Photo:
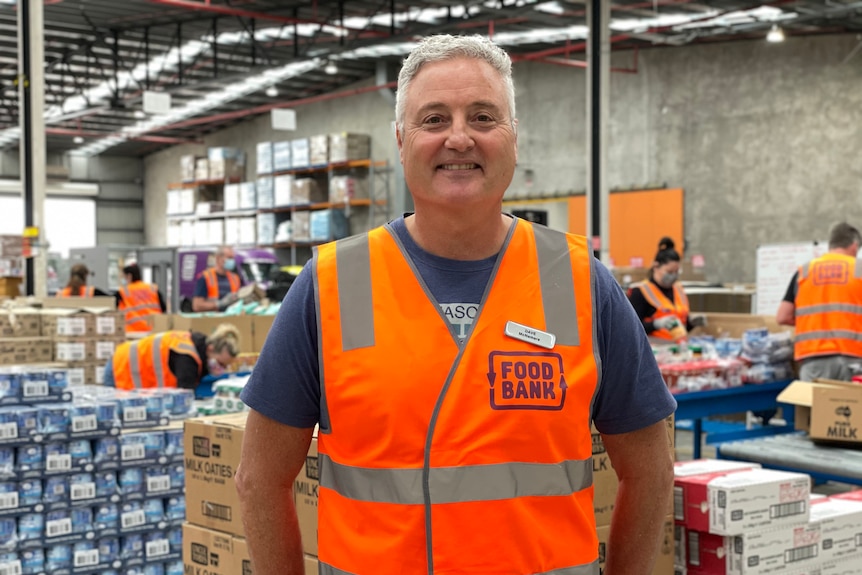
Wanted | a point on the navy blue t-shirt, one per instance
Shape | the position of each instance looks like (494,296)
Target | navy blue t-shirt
(285,383)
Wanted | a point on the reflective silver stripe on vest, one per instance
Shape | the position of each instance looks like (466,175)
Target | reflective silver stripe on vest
(558,289)
(355,304)
(803,271)
(589,569)
(828,307)
(829,334)
(157,360)
(134,364)
(456,484)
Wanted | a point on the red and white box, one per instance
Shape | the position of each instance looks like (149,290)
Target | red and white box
(840,523)
(702,553)
(690,493)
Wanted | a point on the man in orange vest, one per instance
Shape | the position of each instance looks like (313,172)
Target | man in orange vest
(217,286)
(454,359)
(824,302)
(138,299)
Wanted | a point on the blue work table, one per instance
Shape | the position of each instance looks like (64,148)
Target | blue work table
(697,405)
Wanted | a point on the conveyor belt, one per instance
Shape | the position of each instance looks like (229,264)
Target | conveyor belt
(795,451)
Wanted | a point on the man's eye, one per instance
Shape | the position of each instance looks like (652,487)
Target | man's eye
(433,120)
(484,118)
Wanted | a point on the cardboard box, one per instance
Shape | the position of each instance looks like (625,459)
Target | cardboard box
(736,324)
(160,322)
(97,302)
(231,197)
(691,497)
(264,158)
(311,566)
(85,322)
(88,350)
(247,196)
(344,147)
(265,187)
(700,553)
(20,322)
(840,524)
(208,552)
(772,551)
(319,150)
(664,562)
(187,168)
(202,169)
(305,493)
(283,190)
(306,191)
(300,156)
(212,452)
(10,286)
(281,157)
(206,325)
(300,226)
(828,410)
(261,324)
(241,557)
(25,350)
(345,188)
(84,373)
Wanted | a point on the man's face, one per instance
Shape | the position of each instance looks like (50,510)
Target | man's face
(458,144)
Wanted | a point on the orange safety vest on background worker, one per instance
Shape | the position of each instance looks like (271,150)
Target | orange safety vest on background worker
(144,363)
(83,291)
(139,299)
(211,278)
(829,307)
(663,306)
(485,444)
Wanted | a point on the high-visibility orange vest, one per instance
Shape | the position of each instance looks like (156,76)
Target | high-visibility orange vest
(663,306)
(447,458)
(211,277)
(139,300)
(143,363)
(83,291)
(829,307)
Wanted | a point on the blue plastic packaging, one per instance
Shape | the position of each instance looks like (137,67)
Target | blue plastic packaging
(82,519)
(83,417)
(178,476)
(154,569)
(30,457)
(53,418)
(106,484)
(58,557)
(131,514)
(57,457)
(174,442)
(174,567)
(131,481)
(107,449)
(132,546)
(9,495)
(176,507)
(156,545)
(31,526)
(109,549)
(154,443)
(154,510)
(81,451)
(132,409)
(32,561)
(107,516)
(8,532)
(132,447)
(175,538)
(9,424)
(85,554)
(29,492)
(7,461)
(56,489)
(58,523)
(82,486)
(10,384)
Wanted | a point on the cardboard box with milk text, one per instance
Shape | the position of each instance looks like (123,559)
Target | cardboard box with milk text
(305,495)
(829,410)
(208,552)
(212,453)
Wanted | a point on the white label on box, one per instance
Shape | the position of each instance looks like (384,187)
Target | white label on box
(8,430)
(132,518)
(84,422)
(37,388)
(100,375)
(76,376)
(131,452)
(9,500)
(71,326)
(67,351)
(58,462)
(86,558)
(158,548)
(58,527)
(10,568)
(106,325)
(158,483)
(83,491)
(134,414)
(104,349)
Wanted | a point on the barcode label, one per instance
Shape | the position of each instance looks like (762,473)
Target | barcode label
(134,451)
(132,518)
(8,430)
(800,553)
(105,325)
(678,503)
(9,500)
(71,326)
(84,423)
(86,558)
(104,349)
(158,483)
(37,388)
(10,568)
(58,462)
(76,376)
(158,548)
(216,511)
(786,509)
(83,491)
(694,548)
(58,527)
(132,414)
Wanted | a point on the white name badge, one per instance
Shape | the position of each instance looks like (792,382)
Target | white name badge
(530,335)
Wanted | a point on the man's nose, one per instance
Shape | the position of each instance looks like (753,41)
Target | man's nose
(459,136)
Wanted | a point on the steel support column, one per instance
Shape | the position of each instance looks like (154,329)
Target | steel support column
(598,88)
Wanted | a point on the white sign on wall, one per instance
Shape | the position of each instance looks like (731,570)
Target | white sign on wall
(776,265)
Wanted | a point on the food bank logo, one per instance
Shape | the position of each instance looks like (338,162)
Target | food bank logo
(526,380)
(831,273)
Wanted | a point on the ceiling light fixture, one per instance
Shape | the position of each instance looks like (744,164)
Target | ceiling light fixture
(775,34)
(272,92)
(78,139)
(331,68)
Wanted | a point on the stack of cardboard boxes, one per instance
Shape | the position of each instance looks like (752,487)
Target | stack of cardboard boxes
(84,340)
(21,338)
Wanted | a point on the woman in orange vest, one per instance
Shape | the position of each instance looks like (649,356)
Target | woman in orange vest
(138,299)
(660,300)
(172,358)
(77,285)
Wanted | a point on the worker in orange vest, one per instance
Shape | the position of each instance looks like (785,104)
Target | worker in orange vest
(824,302)
(172,358)
(454,359)
(138,299)
(77,285)
(660,301)
(217,287)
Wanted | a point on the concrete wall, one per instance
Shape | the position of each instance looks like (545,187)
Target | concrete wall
(762,137)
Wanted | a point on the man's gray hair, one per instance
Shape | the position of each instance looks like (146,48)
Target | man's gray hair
(445,47)
(843,235)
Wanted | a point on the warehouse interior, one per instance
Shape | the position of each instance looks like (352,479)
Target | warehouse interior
(731,128)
